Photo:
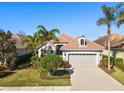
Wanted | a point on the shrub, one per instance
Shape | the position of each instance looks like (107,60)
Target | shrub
(101,63)
(42,72)
(105,59)
(1,67)
(2,74)
(12,63)
(121,66)
(116,62)
(51,63)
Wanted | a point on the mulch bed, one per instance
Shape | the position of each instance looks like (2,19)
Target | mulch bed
(104,68)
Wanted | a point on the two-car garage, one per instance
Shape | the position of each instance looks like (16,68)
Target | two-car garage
(82,59)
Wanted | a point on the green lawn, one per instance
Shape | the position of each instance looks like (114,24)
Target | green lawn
(30,77)
(118,75)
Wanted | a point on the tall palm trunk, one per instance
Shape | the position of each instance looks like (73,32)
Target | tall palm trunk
(109,53)
(109,45)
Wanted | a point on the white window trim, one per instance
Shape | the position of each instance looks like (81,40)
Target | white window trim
(79,40)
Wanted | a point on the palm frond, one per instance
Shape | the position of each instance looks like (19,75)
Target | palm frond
(105,9)
(108,12)
(38,41)
(120,18)
(42,32)
(118,7)
(55,31)
(42,27)
(28,39)
(52,36)
(102,21)
(30,47)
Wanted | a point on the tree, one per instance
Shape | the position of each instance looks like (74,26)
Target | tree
(46,34)
(7,48)
(110,17)
(32,42)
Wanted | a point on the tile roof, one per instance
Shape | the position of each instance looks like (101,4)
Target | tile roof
(74,44)
(115,40)
(19,40)
(63,38)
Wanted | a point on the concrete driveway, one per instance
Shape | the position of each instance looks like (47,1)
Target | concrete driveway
(92,78)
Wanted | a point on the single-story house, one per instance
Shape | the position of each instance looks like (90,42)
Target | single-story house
(117,46)
(82,51)
(77,50)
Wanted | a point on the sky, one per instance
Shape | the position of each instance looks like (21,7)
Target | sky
(74,19)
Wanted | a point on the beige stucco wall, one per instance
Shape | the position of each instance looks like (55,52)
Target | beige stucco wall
(119,54)
(105,52)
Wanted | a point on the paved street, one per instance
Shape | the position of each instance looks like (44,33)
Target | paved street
(42,88)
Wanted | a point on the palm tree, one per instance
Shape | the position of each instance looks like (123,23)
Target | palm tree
(32,42)
(47,35)
(110,17)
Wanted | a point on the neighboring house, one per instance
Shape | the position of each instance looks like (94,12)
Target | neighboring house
(19,44)
(117,47)
(76,50)
(53,47)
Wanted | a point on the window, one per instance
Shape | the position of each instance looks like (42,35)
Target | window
(82,42)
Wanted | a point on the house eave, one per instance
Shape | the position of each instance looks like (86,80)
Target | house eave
(79,50)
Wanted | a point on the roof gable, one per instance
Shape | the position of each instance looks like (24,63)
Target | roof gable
(74,44)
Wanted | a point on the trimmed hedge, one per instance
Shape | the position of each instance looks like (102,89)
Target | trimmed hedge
(116,61)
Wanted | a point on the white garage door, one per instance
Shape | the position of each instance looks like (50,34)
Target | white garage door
(82,59)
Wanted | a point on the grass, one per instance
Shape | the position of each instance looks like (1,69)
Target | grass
(30,77)
(118,75)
